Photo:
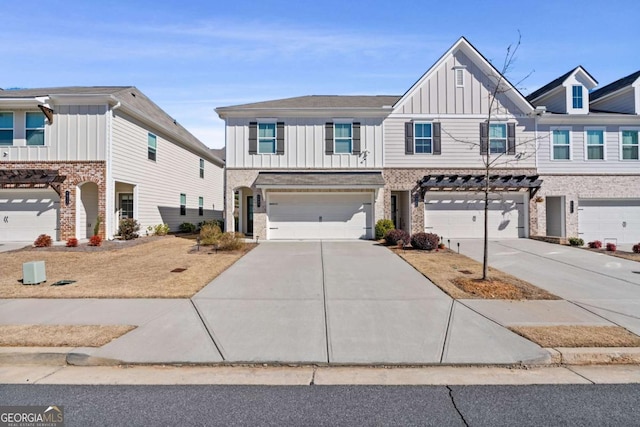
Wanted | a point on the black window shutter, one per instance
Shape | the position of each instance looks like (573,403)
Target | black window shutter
(511,138)
(484,138)
(356,139)
(408,138)
(328,138)
(253,138)
(437,145)
(280,138)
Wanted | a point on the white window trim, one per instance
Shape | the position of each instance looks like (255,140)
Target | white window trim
(13,128)
(459,70)
(342,122)
(43,128)
(586,143)
(506,138)
(415,151)
(156,147)
(631,128)
(266,121)
(551,145)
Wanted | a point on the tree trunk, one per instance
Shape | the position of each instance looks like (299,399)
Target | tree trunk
(485,257)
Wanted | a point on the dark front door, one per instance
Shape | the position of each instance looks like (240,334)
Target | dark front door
(126,205)
(250,215)
(394,211)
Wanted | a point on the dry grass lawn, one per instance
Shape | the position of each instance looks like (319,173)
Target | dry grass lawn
(142,270)
(459,277)
(60,335)
(578,336)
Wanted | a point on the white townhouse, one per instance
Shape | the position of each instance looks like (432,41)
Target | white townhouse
(71,155)
(564,160)
(588,158)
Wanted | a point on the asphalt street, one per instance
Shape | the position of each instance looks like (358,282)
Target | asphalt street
(567,405)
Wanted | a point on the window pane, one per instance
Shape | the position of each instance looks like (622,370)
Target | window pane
(595,153)
(497,131)
(35,137)
(6,137)
(343,145)
(630,137)
(423,130)
(595,137)
(630,152)
(266,130)
(152,141)
(6,120)
(577,96)
(560,137)
(267,146)
(35,120)
(423,145)
(342,130)
(183,199)
(497,146)
(561,152)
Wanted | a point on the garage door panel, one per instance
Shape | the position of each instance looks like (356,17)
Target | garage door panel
(25,214)
(320,216)
(609,220)
(459,215)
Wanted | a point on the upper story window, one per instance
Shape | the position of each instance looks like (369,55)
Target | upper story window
(423,138)
(576,96)
(266,138)
(630,145)
(497,138)
(6,128)
(343,138)
(201,168)
(561,144)
(595,144)
(152,147)
(34,128)
(183,204)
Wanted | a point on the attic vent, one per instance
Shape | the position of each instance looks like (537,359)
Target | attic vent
(133,94)
(459,77)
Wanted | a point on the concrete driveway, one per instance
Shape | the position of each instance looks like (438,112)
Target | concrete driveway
(606,287)
(345,303)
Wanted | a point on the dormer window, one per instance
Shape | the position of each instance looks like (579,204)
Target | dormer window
(576,96)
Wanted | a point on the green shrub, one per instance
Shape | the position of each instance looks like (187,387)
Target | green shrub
(128,228)
(392,237)
(576,241)
(425,241)
(96,228)
(210,234)
(382,227)
(43,241)
(161,229)
(187,227)
(231,241)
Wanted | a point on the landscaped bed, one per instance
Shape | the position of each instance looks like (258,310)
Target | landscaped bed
(60,335)
(460,277)
(140,268)
(578,336)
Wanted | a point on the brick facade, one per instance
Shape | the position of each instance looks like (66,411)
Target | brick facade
(76,172)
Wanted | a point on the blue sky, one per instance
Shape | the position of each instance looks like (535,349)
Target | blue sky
(193,56)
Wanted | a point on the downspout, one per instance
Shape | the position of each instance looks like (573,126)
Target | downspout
(109,205)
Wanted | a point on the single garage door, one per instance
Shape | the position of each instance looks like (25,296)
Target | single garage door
(609,220)
(320,216)
(459,215)
(25,214)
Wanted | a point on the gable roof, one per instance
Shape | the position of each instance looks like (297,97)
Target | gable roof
(132,100)
(319,102)
(475,55)
(557,83)
(615,86)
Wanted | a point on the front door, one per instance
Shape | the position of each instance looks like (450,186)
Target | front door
(126,205)
(250,215)
(394,211)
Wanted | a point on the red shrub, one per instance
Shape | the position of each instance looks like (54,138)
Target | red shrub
(72,242)
(636,248)
(611,247)
(95,241)
(425,241)
(596,244)
(394,236)
(43,241)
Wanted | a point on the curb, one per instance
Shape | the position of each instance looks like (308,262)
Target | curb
(45,356)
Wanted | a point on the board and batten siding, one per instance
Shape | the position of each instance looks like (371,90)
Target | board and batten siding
(159,183)
(304,146)
(579,163)
(459,145)
(439,93)
(78,132)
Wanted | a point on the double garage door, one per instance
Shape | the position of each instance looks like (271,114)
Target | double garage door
(616,221)
(320,216)
(25,214)
(459,215)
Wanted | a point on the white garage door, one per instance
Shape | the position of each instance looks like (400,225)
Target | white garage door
(320,216)
(25,214)
(460,215)
(609,220)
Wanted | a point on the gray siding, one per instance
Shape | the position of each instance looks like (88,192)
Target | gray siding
(556,101)
(621,103)
(304,146)
(77,133)
(160,183)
